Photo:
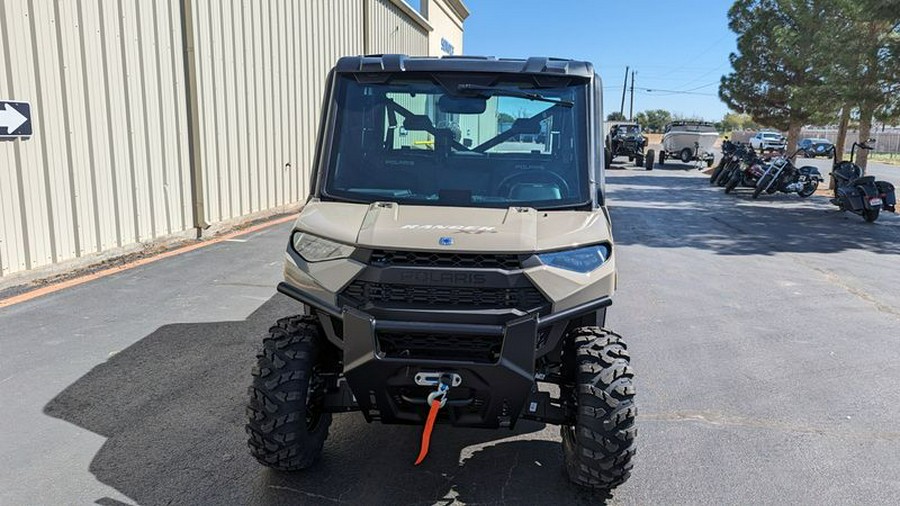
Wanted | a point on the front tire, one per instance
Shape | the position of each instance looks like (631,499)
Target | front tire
(715,173)
(599,447)
(725,175)
(286,424)
(733,181)
(808,189)
(651,155)
(760,185)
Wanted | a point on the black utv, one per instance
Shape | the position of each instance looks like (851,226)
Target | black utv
(626,139)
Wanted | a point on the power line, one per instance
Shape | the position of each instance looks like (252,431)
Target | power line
(678,92)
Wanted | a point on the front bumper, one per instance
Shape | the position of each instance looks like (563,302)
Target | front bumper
(494,389)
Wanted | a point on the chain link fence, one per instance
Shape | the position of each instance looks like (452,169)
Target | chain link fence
(886,141)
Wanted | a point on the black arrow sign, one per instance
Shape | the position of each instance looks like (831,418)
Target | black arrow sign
(15,119)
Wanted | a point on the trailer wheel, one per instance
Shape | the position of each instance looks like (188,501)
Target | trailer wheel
(286,424)
(650,159)
(686,155)
(599,446)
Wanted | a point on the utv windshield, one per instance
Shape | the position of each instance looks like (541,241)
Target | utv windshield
(628,130)
(451,141)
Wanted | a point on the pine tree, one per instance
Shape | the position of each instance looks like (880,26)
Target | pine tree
(778,74)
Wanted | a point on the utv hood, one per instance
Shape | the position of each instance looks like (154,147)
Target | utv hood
(465,229)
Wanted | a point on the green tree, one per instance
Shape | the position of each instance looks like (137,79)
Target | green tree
(616,116)
(505,118)
(653,121)
(869,63)
(778,72)
(737,121)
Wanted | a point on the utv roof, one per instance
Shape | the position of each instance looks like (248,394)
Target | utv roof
(404,63)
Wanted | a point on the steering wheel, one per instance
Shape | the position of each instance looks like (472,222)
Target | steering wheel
(536,176)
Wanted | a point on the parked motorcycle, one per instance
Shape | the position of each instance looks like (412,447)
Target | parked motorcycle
(783,176)
(728,149)
(731,162)
(860,194)
(751,168)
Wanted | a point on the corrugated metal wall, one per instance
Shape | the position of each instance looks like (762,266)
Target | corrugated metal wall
(261,70)
(107,165)
(390,30)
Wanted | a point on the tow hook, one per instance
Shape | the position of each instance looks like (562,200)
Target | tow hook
(437,400)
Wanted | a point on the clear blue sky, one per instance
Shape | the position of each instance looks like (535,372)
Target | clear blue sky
(672,44)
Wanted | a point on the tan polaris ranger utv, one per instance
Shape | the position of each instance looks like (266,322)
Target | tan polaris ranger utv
(454,263)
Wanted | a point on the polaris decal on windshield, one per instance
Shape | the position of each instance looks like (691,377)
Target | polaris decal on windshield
(460,229)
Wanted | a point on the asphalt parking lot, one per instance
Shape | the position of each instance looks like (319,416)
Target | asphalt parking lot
(764,335)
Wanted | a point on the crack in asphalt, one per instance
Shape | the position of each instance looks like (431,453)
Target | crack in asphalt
(509,475)
(830,276)
(719,419)
(838,281)
(308,494)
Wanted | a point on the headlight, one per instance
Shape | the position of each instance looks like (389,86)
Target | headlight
(316,249)
(578,260)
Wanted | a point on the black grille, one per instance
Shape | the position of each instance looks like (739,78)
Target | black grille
(442,347)
(385,258)
(525,299)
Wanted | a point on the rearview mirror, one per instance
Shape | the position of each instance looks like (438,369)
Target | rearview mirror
(462,105)
(418,122)
(526,126)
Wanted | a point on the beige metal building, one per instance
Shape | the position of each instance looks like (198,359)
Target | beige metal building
(160,118)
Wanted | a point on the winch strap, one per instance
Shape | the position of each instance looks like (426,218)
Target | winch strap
(426,432)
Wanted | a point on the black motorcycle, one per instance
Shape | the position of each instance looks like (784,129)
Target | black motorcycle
(783,176)
(728,150)
(860,194)
(748,172)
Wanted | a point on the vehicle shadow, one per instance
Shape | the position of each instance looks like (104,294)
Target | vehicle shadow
(705,217)
(171,408)
(674,165)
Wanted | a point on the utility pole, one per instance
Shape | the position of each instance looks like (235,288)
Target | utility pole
(624,87)
(631,108)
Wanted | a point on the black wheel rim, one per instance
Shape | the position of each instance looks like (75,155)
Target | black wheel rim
(315,397)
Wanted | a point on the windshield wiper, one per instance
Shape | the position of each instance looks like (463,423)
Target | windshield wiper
(507,92)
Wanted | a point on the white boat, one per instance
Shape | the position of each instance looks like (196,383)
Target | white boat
(688,141)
